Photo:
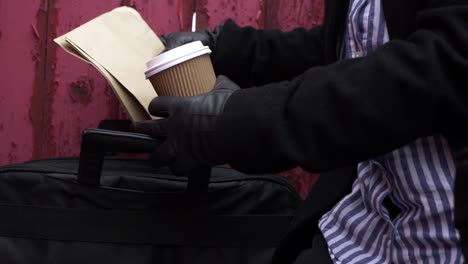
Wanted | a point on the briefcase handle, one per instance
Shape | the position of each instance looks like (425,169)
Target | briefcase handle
(95,143)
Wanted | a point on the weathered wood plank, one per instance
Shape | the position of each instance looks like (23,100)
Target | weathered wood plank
(20,44)
(79,96)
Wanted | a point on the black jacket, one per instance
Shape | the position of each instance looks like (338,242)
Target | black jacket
(329,114)
(306,108)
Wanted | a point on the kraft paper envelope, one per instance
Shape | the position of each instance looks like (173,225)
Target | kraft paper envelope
(118,44)
(130,103)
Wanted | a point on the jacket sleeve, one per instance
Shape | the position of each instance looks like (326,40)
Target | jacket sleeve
(256,57)
(352,110)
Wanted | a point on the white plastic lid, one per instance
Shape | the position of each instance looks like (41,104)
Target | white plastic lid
(175,56)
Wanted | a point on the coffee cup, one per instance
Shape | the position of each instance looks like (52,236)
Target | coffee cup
(183,71)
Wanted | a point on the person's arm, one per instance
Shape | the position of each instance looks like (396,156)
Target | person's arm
(256,57)
(353,110)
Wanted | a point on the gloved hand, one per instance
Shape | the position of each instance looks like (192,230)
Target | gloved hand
(176,39)
(188,127)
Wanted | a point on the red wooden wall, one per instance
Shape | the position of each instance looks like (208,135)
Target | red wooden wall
(47,97)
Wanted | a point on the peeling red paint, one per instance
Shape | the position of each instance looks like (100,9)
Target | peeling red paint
(35,55)
(36,32)
(12,154)
(130,3)
(112,103)
(202,15)
(270,11)
(41,110)
(185,13)
(260,20)
(50,85)
(245,13)
(17,76)
(162,16)
(36,112)
(81,90)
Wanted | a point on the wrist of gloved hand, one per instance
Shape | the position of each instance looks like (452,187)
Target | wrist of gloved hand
(188,128)
(208,38)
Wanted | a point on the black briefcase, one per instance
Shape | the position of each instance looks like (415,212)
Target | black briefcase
(95,209)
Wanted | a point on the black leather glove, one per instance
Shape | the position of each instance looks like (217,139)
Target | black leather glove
(176,39)
(188,127)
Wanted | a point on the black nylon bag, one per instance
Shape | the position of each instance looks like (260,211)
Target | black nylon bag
(54,211)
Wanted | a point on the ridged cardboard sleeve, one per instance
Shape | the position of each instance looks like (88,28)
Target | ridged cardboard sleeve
(192,77)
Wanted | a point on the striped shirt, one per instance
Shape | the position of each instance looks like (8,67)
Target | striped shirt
(417,178)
